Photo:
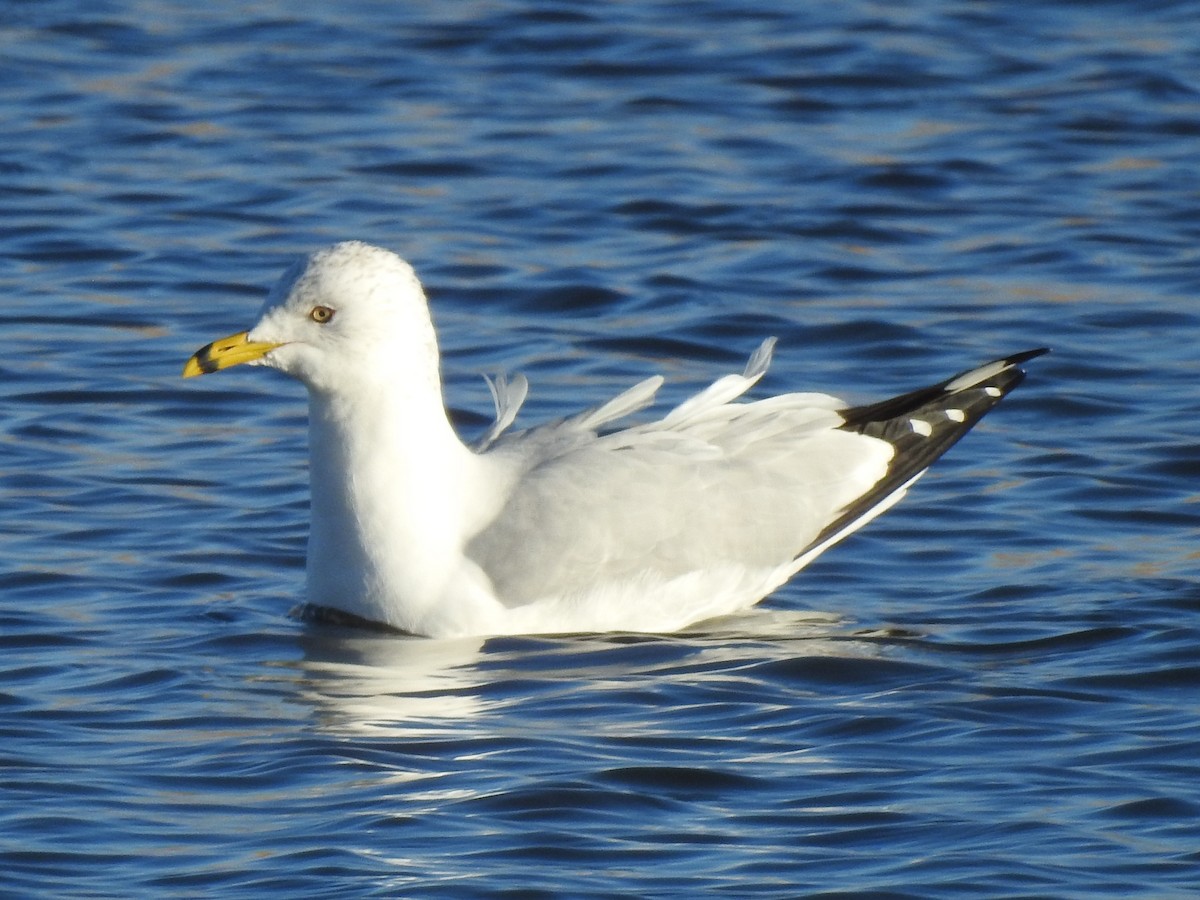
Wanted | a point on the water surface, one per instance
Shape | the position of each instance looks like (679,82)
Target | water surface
(991,691)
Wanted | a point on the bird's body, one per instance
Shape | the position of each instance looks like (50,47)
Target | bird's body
(570,526)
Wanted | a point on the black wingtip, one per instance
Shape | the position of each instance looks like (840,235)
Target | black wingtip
(923,424)
(1017,358)
(858,417)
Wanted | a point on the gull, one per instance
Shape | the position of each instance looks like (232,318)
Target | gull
(575,525)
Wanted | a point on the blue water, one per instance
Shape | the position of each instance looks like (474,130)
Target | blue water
(993,691)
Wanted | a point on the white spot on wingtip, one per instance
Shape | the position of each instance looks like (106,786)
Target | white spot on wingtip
(992,391)
(924,429)
(956,415)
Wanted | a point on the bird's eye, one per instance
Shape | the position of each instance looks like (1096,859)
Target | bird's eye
(321,314)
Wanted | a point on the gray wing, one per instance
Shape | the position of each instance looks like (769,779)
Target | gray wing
(712,484)
(715,483)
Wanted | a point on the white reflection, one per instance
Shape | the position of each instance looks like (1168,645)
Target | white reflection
(365,683)
(386,684)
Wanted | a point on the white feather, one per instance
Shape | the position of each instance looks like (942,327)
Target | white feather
(507,397)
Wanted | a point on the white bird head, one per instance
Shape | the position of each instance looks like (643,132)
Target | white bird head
(342,313)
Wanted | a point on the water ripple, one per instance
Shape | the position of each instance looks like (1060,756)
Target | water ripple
(988,692)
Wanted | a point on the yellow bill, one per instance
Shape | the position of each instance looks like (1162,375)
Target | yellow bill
(231,351)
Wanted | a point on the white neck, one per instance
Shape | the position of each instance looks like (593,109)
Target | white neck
(389,478)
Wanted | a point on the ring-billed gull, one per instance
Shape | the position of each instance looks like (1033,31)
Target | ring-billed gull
(570,526)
